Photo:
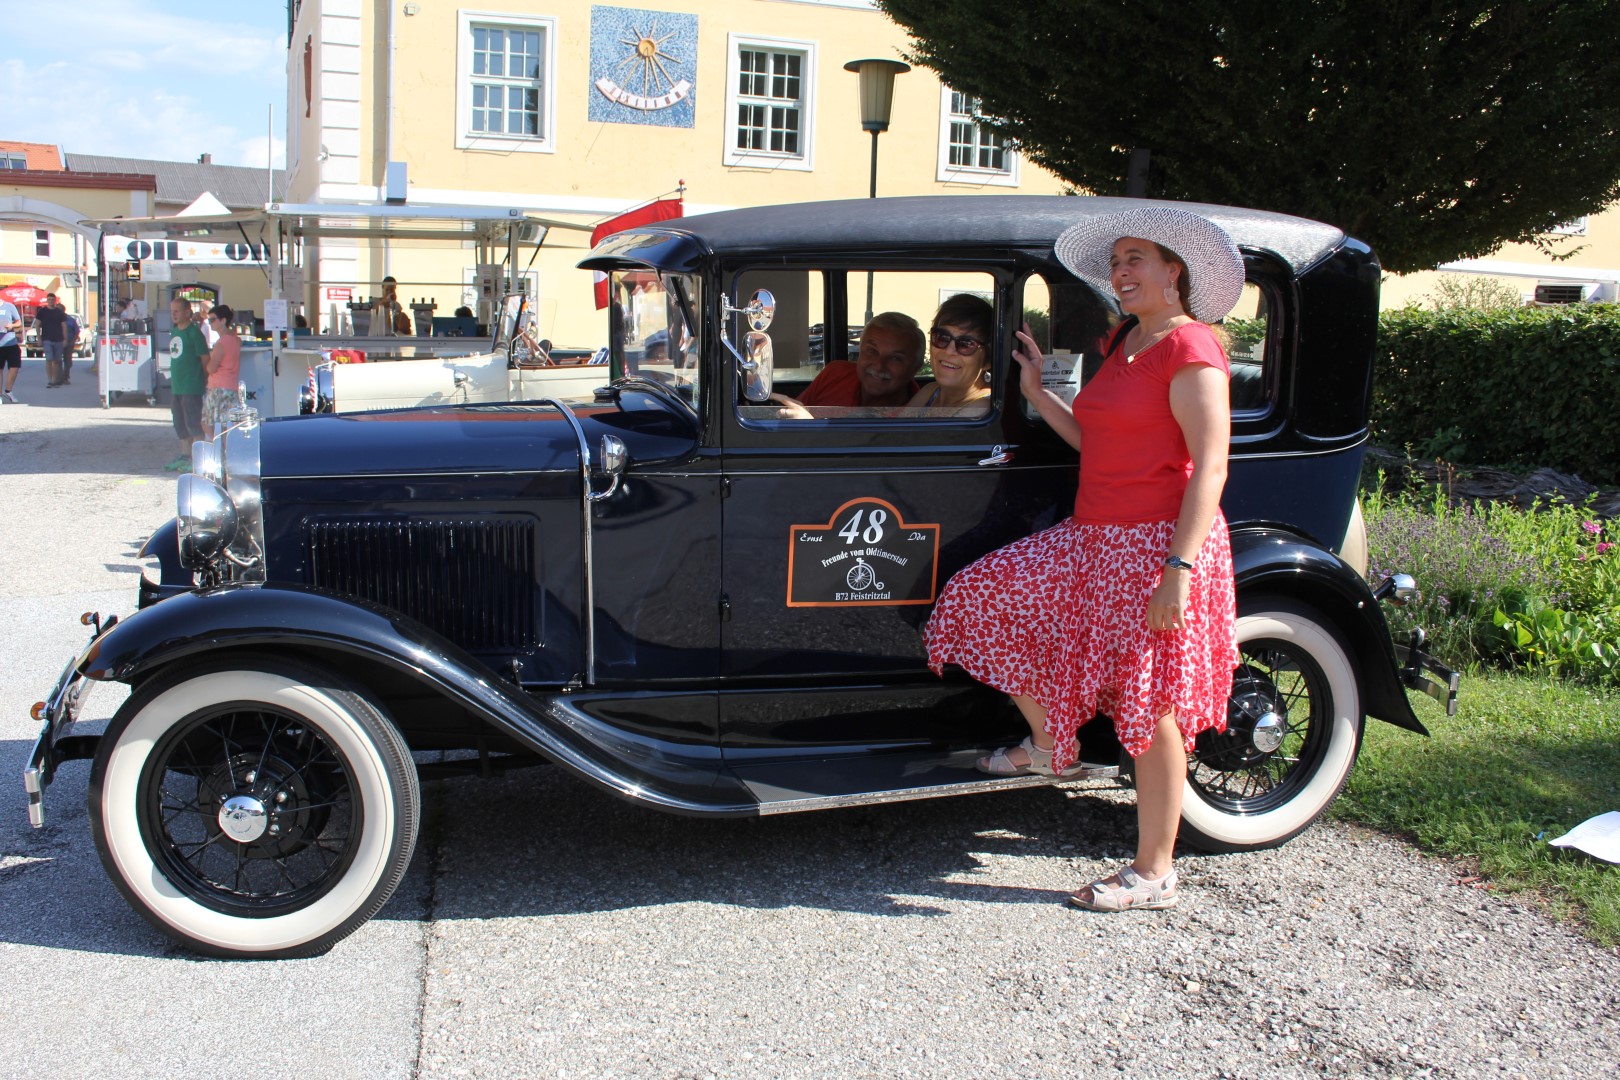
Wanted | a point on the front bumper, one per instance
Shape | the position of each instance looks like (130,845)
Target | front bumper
(58,714)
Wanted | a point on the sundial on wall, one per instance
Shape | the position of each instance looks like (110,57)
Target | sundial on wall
(643,66)
(649,77)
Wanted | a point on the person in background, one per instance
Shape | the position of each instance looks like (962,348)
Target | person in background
(300,326)
(384,309)
(224,366)
(50,318)
(70,343)
(188,353)
(11,328)
(963,328)
(882,375)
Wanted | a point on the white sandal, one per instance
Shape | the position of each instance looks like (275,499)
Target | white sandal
(996,763)
(1126,890)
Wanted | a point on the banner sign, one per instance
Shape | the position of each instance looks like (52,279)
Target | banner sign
(863,556)
(190,252)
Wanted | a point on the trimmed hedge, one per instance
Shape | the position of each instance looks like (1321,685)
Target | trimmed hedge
(1518,387)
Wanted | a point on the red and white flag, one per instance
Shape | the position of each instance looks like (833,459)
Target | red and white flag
(657,210)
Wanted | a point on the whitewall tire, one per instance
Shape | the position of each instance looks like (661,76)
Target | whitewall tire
(1294,730)
(254,807)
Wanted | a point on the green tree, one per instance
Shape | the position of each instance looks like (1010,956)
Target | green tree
(1434,131)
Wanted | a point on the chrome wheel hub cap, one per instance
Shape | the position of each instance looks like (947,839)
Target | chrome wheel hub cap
(1268,732)
(242,818)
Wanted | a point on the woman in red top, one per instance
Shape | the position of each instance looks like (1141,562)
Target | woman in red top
(1126,608)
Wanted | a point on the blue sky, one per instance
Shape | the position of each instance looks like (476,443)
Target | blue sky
(147,78)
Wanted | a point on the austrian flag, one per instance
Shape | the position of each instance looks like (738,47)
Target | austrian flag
(657,210)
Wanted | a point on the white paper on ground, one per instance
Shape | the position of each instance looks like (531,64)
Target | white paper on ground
(1599,836)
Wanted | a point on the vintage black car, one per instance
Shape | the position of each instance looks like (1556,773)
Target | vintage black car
(679,596)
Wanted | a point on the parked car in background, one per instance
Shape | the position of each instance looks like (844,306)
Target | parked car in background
(675,594)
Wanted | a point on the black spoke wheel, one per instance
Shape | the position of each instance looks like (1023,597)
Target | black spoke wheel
(254,807)
(1294,727)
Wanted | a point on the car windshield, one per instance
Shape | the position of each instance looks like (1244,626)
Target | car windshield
(653,335)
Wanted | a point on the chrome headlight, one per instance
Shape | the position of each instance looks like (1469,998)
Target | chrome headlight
(205,461)
(219,515)
(208,521)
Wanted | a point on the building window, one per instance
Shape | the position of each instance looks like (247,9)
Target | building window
(969,152)
(1574,227)
(770,99)
(42,243)
(13,160)
(504,99)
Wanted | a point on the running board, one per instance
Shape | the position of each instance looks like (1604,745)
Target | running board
(824,783)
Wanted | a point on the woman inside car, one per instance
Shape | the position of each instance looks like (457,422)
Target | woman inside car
(1127,607)
(959,352)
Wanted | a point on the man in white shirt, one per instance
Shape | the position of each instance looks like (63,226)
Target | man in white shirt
(11,328)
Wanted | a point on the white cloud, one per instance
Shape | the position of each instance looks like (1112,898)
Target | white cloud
(149,83)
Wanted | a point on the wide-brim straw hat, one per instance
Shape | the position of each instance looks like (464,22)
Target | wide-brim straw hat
(1214,267)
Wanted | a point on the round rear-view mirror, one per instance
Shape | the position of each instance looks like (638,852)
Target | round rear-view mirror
(761,310)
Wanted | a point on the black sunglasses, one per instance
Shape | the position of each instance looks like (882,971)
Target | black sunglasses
(965,346)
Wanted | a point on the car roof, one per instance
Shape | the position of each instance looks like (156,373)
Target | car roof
(934,222)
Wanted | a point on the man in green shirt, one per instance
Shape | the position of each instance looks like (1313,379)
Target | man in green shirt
(188,352)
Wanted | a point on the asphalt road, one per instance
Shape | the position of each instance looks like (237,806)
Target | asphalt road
(548,930)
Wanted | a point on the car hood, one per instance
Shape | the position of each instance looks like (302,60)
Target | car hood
(472,438)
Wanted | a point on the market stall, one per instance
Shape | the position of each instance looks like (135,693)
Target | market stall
(344,322)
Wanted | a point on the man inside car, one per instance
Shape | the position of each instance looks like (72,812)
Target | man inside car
(882,375)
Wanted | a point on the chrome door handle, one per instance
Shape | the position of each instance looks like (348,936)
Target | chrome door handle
(999,455)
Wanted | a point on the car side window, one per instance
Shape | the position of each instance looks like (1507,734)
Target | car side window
(1247,330)
(1072,324)
(852,347)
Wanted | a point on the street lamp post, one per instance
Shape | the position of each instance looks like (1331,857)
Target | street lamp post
(877,100)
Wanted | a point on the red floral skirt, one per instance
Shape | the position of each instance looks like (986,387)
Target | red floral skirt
(1061,617)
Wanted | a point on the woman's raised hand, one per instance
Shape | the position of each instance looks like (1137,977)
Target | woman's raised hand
(1028,355)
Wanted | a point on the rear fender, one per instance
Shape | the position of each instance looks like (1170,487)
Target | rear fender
(1271,560)
(679,777)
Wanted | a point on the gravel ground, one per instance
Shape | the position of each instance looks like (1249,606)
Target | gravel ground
(548,930)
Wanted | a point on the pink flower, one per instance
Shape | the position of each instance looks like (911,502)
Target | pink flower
(1592,527)
(1601,548)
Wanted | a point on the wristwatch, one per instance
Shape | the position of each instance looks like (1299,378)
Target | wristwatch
(1176,562)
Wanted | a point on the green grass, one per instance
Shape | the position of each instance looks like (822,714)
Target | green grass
(1525,759)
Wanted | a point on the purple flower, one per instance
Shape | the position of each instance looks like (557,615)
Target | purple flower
(1592,527)
(1601,548)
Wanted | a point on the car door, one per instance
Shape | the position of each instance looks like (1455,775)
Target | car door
(838,533)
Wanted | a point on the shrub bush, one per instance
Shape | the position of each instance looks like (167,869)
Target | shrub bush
(1519,387)
(1537,589)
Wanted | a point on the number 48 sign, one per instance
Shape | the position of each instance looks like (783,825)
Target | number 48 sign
(865,555)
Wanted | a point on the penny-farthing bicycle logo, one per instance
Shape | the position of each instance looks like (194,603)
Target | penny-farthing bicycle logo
(862,577)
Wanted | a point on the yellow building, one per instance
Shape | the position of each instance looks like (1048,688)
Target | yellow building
(1590,272)
(580,111)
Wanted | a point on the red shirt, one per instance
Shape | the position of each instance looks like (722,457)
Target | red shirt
(1134,462)
(840,384)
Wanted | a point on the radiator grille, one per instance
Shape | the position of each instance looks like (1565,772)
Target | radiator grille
(472,580)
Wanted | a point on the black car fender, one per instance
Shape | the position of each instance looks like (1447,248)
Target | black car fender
(683,778)
(1267,559)
(173,577)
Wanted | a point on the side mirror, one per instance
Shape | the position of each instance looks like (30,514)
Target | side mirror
(758,366)
(755,359)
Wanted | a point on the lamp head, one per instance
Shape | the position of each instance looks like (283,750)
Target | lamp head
(877,90)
